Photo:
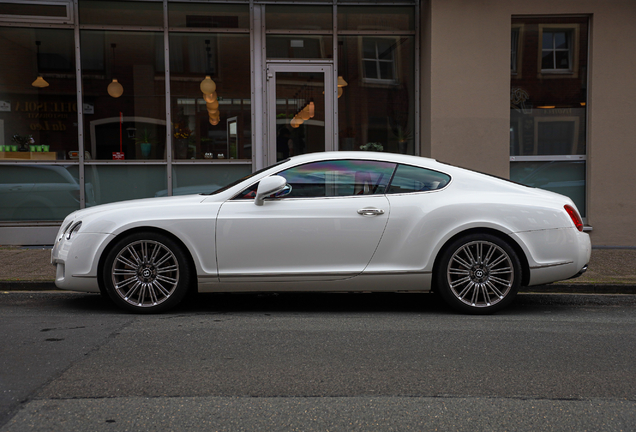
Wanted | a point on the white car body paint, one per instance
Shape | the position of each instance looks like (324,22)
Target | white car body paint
(324,244)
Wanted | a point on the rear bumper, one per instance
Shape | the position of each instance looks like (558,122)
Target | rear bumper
(557,254)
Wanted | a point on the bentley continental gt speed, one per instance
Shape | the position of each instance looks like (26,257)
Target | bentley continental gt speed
(336,221)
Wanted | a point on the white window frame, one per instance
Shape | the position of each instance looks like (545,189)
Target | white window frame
(572,31)
(69,18)
(377,61)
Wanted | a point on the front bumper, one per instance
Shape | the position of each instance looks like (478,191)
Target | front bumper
(76,261)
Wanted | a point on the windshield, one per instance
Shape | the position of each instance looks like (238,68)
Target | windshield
(226,187)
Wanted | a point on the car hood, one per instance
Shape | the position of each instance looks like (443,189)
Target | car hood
(145,206)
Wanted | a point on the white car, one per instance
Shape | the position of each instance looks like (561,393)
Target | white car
(337,221)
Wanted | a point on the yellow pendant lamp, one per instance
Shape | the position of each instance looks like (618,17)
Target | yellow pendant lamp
(114,89)
(209,98)
(39,81)
(341,83)
(207,85)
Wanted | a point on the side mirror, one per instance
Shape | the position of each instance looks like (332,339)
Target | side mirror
(268,186)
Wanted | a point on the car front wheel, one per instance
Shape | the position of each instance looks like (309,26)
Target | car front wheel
(146,273)
(479,274)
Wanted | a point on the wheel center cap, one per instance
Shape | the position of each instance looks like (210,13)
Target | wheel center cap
(146,273)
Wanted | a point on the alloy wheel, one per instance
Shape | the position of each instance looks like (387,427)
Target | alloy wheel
(145,273)
(480,274)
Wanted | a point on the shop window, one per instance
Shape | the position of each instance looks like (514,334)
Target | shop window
(110,12)
(112,183)
(38,102)
(124,95)
(39,192)
(299,46)
(211,16)
(221,127)
(548,108)
(376,107)
(297,17)
(383,18)
(51,11)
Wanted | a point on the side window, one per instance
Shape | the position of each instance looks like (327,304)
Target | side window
(414,179)
(249,193)
(338,178)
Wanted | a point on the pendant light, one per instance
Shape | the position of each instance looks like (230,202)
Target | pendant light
(39,81)
(207,85)
(208,88)
(210,98)
(341,83)
(115,89)
(304,113)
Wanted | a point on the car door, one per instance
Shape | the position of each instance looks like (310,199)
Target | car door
(327,228)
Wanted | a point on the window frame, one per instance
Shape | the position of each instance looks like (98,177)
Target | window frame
(516,51)
(575,120)
(573,32)
(395,60)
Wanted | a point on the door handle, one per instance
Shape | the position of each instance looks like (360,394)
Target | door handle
(370,212)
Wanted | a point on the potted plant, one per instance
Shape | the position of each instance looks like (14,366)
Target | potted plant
(372,146)
(23,142)
(145,141)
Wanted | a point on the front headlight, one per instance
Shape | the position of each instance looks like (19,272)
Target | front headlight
(69,231)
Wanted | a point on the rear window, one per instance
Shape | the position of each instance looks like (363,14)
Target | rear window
(409,179)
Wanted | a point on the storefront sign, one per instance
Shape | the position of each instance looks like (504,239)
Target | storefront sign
(88,108)
(5,106)
(46,126)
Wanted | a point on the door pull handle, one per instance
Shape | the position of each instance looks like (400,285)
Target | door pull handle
(370,212)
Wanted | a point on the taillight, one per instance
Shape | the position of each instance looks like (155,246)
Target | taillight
(574,215)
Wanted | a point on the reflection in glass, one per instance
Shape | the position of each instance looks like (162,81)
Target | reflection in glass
(195,179)
(376,109)
(112,183)
(397,18)
(290,17)
(563,177)
(208,15)
(133,125)
(299,46)
(196,134)
(300,113)
(548,106)
(40,192)
(133,13)
(37,123)
(338,178)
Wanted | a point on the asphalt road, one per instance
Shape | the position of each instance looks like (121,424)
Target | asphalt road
(336,362)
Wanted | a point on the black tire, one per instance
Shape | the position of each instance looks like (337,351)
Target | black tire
(146,272)
(478,274)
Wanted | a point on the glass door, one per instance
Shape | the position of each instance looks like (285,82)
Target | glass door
(300,111)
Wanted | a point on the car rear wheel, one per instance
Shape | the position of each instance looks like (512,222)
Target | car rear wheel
(479,274)
(146,273)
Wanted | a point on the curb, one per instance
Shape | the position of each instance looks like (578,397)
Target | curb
(539,289)
(28,286)
(579,289)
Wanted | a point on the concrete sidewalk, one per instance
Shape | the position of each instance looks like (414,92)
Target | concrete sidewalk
(611,271)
